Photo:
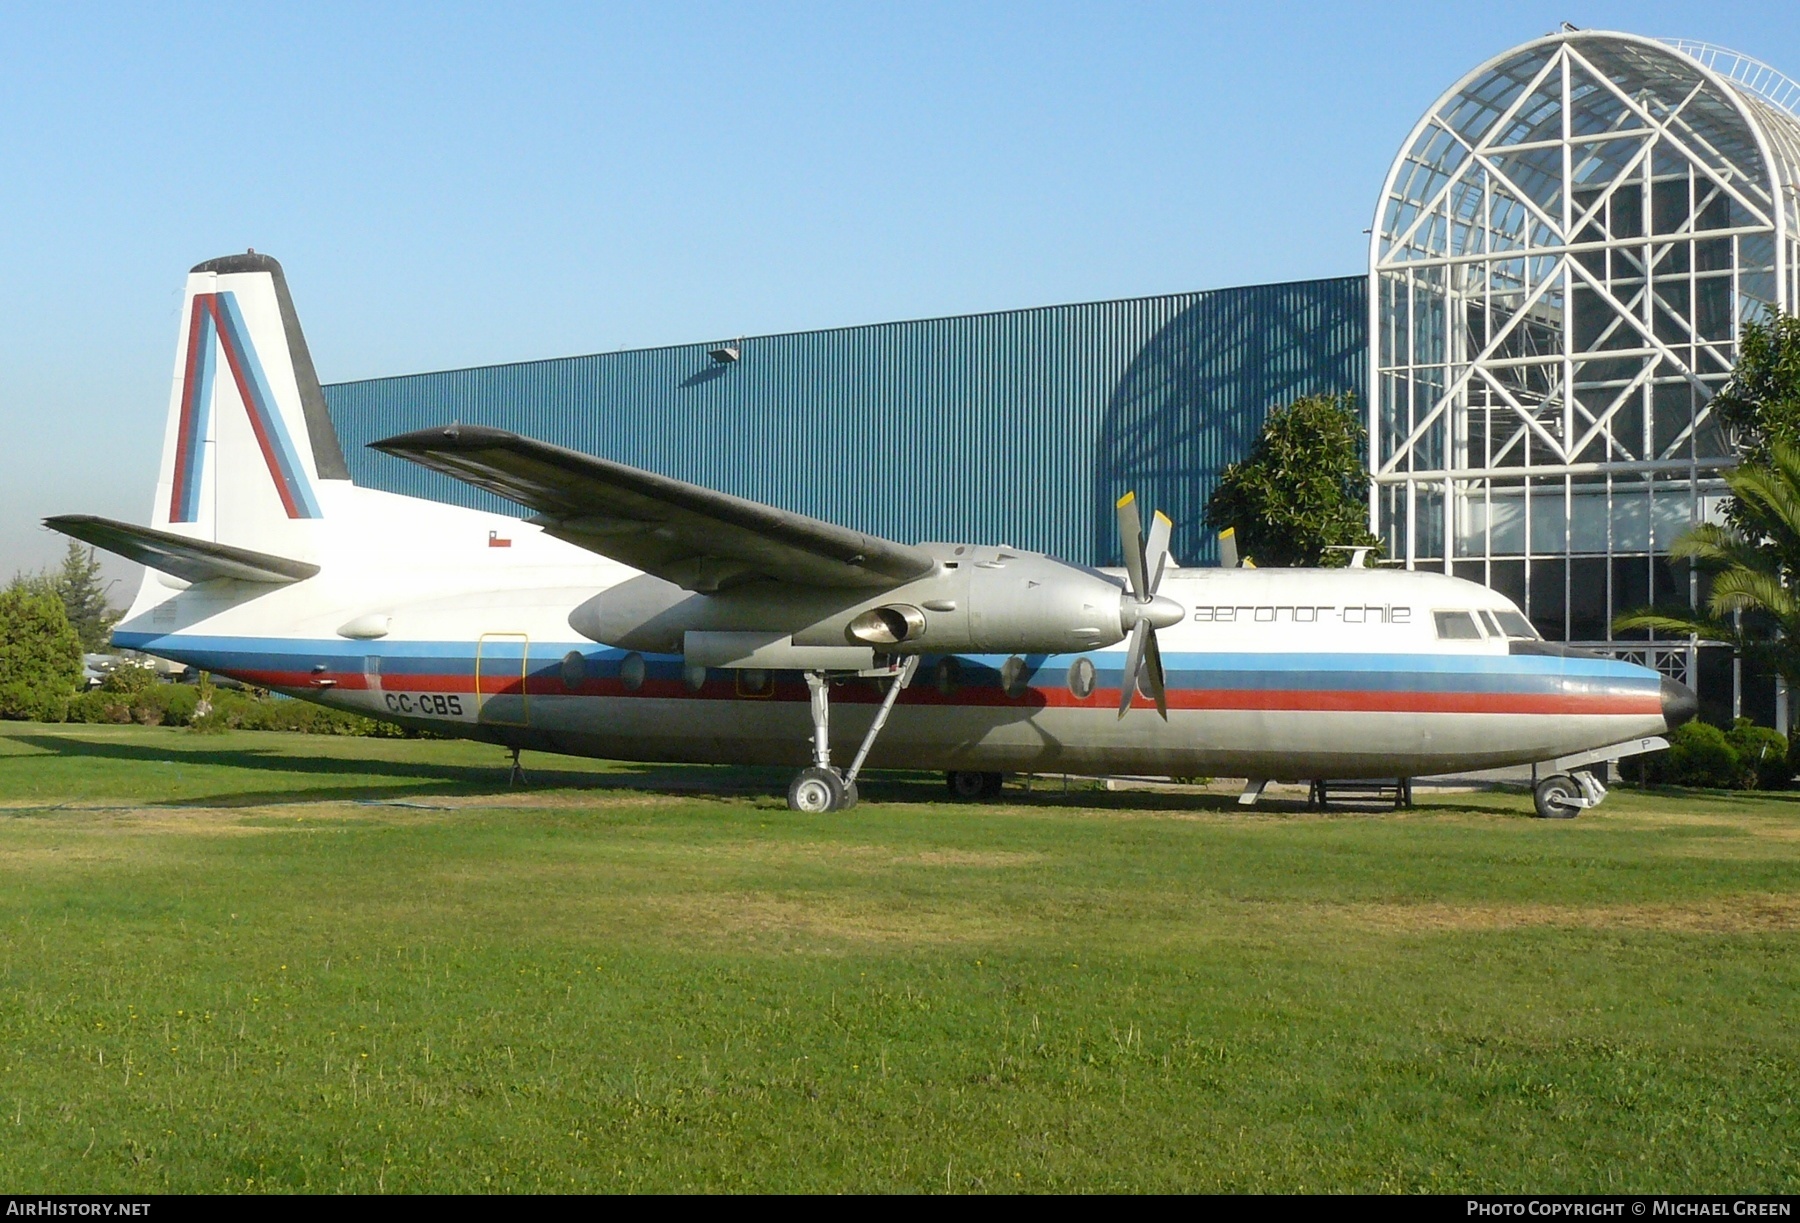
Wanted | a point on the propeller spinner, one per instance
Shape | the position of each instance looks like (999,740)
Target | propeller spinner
(1141,610)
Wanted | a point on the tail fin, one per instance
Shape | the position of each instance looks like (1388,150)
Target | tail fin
(248,440)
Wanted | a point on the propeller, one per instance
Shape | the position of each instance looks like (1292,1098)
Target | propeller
(1141,610)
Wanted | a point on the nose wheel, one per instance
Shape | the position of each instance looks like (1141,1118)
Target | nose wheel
(1563,796)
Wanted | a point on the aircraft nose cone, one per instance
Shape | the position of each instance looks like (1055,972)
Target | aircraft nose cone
(1679,703)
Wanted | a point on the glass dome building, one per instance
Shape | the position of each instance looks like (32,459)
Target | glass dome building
(1563,259)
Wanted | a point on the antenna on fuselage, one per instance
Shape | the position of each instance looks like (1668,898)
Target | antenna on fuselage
(1359,553)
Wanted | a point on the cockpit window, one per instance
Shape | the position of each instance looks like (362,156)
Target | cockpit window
(1516,625)
(1456,626)
(1492,625)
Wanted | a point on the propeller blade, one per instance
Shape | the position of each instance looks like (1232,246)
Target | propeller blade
(1134,659)
(1156,552)
(1153,674)
(1131,538)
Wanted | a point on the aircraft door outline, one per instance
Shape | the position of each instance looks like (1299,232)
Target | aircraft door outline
(500,696)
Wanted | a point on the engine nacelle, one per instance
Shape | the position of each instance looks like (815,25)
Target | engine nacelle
(979,601)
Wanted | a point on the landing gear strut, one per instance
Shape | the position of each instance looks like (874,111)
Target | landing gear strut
(822,788)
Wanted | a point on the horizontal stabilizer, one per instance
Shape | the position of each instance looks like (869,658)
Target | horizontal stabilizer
(192,560)
(695,537)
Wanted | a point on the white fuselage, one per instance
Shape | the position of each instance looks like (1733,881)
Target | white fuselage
(458,621)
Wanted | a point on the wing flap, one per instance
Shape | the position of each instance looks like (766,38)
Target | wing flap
(192,560)
(696,537)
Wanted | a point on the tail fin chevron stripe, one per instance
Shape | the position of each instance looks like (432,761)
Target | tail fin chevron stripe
(217,317)
(196,405)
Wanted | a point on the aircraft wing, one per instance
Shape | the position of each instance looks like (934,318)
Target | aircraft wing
(192,560)
(692,536)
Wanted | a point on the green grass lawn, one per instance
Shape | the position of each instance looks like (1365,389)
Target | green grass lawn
(258,961)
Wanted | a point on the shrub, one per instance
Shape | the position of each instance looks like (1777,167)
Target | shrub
(1698,755)
(240,711)
(212,722)
(179,704)
(155,705)
(88,706)
(173,703)
(130,677)
(1762,755)
(23,703)
(230,709)
(40,656)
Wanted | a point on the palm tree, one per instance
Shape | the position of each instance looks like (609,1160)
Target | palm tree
(1754,605)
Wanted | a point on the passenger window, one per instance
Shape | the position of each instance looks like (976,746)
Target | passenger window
(1456,626)
(1516,625)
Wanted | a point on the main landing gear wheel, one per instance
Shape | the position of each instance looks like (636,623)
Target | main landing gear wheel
(816,791)
(1558,797)
(968,786)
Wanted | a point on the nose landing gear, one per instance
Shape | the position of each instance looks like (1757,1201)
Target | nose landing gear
(1565,787)
(1563,796)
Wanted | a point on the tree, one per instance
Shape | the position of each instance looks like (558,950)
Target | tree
(83,596)
(40,655)
(1755,555)
(1761,403)
(1755,560)
(1302,490)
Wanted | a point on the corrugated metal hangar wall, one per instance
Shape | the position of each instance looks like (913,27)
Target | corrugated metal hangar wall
(1019,428)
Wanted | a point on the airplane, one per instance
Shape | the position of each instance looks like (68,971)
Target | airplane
(638,617)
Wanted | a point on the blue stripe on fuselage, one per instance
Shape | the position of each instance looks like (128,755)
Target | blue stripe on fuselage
(1473,673)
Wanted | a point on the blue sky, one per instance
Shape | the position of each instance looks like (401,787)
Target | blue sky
(454,186)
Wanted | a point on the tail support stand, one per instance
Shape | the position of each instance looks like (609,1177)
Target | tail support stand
(517,776)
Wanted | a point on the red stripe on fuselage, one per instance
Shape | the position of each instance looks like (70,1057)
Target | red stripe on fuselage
(1218,699)
(1417,702)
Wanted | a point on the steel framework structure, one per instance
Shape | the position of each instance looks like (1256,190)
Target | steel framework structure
(1562,262)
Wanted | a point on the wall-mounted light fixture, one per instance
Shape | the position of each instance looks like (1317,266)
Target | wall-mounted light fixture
(723,356)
